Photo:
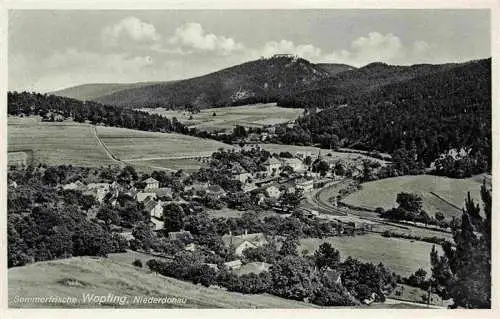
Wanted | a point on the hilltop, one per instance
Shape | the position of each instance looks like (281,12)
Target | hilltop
(261,80)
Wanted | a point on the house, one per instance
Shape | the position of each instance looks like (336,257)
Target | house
(163,192)
(156,224)
(273,191)
(98,190)
(253,268)
(303,154)
(153,207)
(151,183)
(74,186)
(305,185)
(288,187)
(216,191)
(270,129)
(182,235)
(141,196)
(239,173)
(213,266)
(233,265)
(197,187)
(242,242)
(260,174)
(294,163)
(132,192)
(272,165)
(191,247)
(334,275)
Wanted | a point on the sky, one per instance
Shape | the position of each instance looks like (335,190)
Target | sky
(55,49)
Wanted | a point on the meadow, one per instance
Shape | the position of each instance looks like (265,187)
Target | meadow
(115,275)
(65,143)
(401,256)
(451,193)
(131,145)
(55,143)
(227,117)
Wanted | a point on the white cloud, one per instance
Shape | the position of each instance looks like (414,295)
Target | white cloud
(192,37)
(130,29)
(377,47)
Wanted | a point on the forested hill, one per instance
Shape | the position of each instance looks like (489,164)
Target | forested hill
(256,81)
(344,87)
(89,92)
(415,120)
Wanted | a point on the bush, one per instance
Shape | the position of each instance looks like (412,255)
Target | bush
(137,263)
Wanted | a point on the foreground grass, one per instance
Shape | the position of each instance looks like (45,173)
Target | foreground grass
(115,275)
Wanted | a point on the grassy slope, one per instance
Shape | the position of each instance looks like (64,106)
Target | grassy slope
(116,276)
(399,255)
(383,193)
(129,144)
(55,143)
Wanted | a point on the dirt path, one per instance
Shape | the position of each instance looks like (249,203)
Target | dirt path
(106,150)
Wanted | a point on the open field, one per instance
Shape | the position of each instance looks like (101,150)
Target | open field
(58,143)
(55,143)
(116,276)
(451,193)
(402,256)
(228,117)
(131,145)
(187,165)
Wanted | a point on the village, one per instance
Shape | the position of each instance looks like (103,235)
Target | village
(276,187)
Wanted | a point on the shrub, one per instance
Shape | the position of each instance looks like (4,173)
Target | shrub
(137,263)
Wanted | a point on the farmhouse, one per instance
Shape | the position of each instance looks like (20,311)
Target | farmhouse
(196,187)
(141,196)
(253,268)
(334,275)
(272,165)
(215,191)
(242,242)
(153,207)
(239,173)
(233,265)
(273,191)
(74,186)
(180,235)
(191,247)
(305,185)
(294,163)
(98,190)
(164,192)
(151,183)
